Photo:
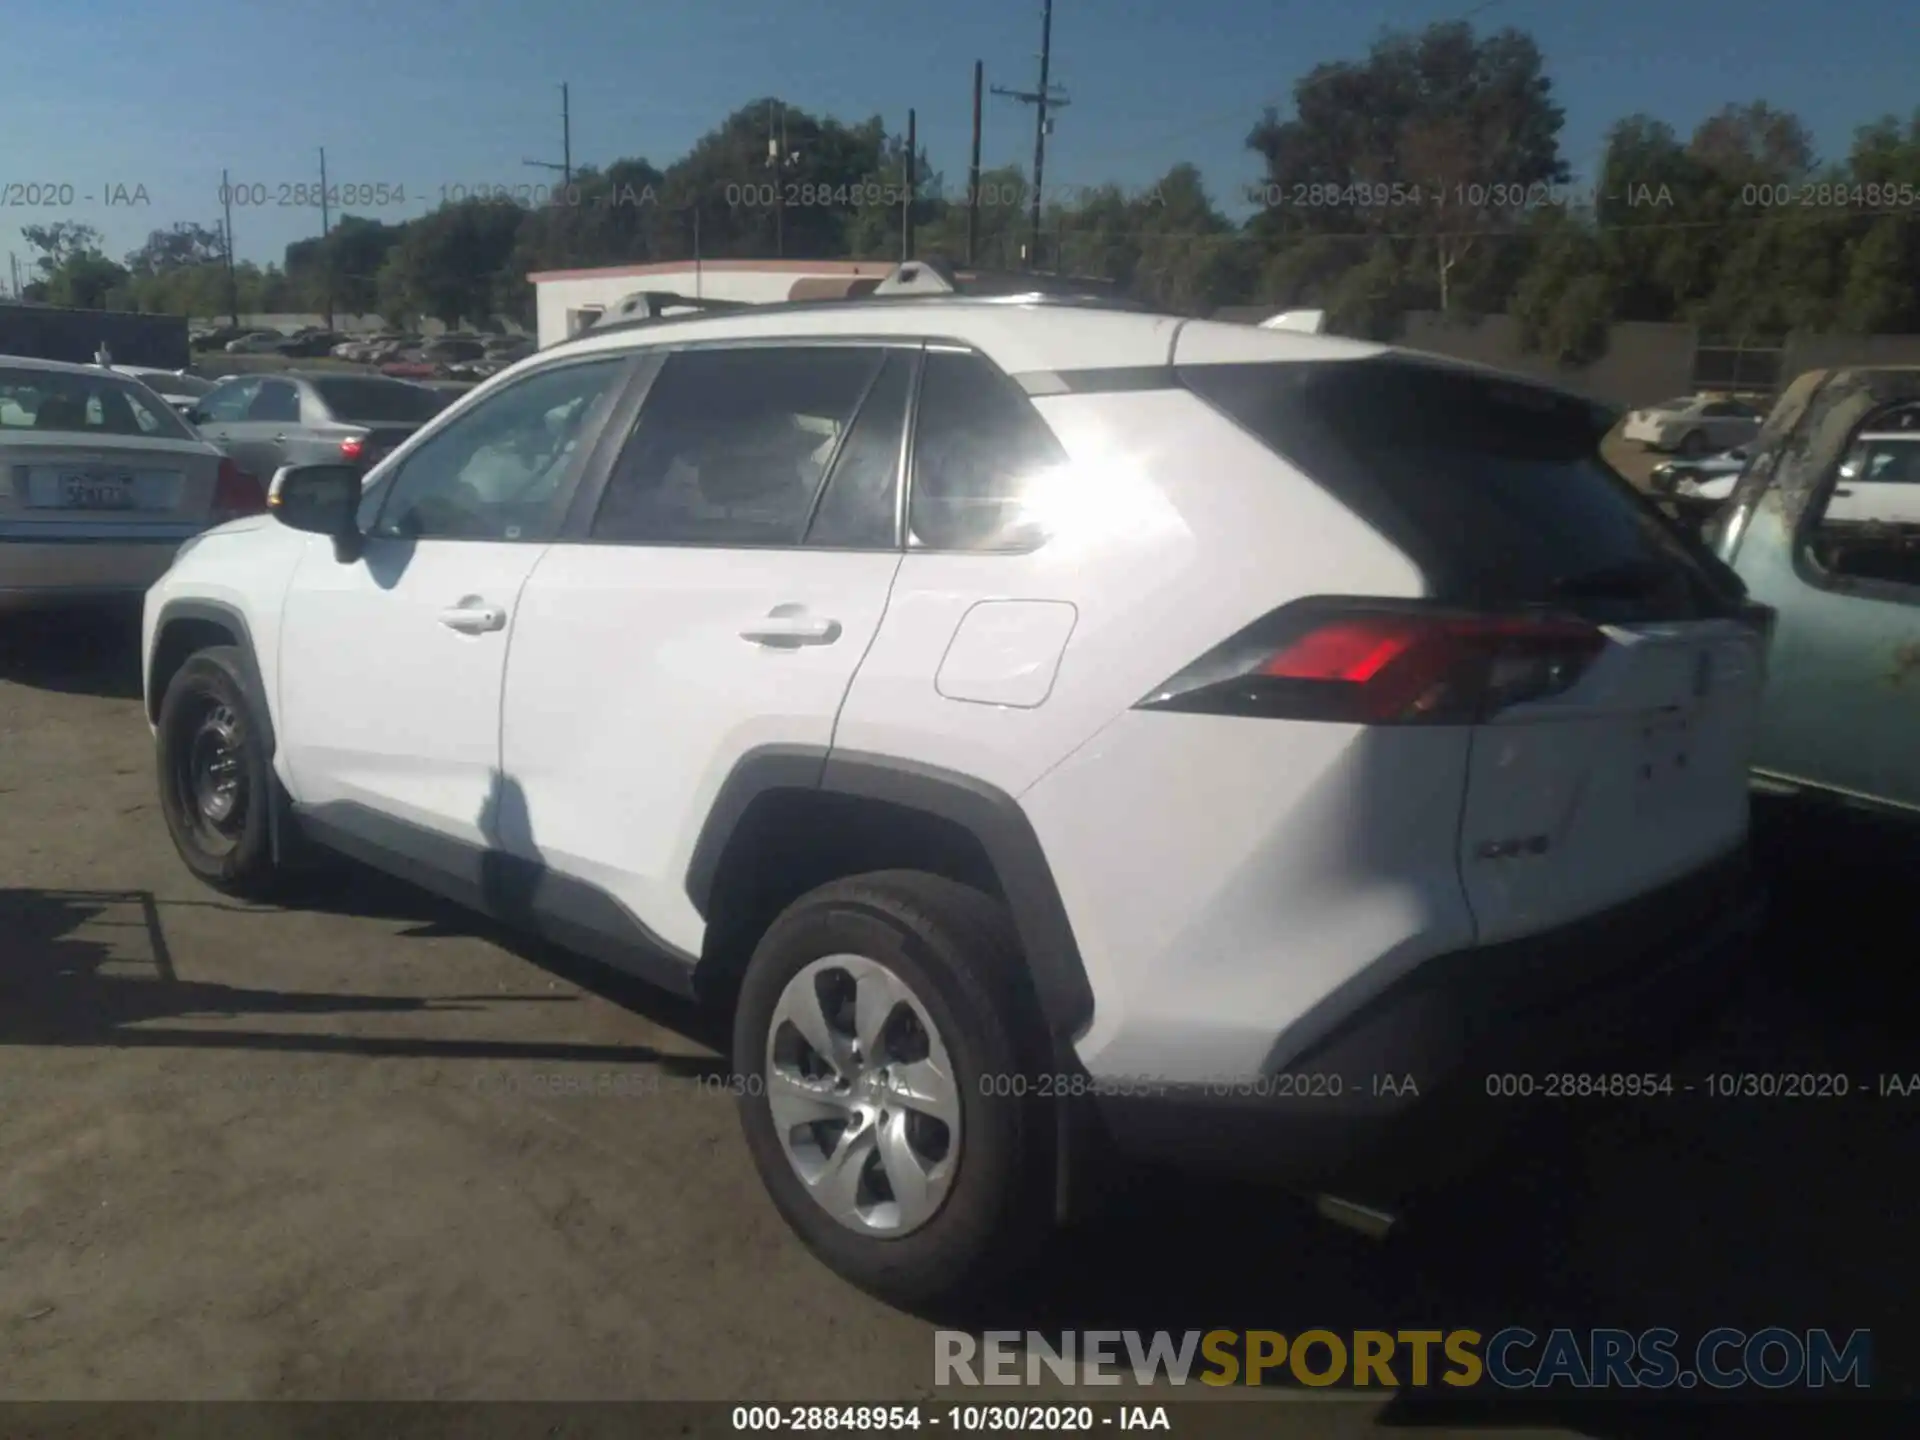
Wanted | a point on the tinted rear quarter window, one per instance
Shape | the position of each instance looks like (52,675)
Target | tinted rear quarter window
(978,447)
(1495,488)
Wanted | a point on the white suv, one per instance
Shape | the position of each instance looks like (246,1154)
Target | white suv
(1054,729)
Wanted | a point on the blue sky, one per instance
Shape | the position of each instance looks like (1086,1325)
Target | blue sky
(99,94)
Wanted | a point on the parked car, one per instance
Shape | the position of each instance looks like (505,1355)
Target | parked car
(260,342)
(310,345)
(100,482)
(449,350)
(1694,425)
(1041,727)
(178,388)
(218,337)
(1824,526)
(295,418)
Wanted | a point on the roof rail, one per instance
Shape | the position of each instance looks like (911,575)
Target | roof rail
(652,304)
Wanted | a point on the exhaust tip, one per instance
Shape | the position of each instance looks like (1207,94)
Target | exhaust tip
(1352,1215)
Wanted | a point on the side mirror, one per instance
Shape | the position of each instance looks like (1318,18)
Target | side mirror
(321,500)
(194,415)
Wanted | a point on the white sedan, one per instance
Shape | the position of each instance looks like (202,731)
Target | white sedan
(1693,425)
(100,483)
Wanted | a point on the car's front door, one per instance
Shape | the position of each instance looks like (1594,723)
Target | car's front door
(716,598)
(392,662)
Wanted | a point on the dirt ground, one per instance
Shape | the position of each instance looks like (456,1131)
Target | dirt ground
(320,1152)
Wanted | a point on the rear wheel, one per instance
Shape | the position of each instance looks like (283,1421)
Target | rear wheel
(214,776)
(878,1047)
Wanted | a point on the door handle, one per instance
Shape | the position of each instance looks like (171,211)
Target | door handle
(279,439)
(788,631)
(474,619)
(1844,494)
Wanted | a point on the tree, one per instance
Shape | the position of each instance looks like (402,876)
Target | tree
(60,243)
(448,263)
(1431,138)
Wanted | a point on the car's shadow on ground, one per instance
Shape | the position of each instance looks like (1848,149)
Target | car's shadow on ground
(1689,1212)
(89,650)
(92,967)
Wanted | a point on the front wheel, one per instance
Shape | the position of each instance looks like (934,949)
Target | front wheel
(874,1021)
(1694,444)
(214,775)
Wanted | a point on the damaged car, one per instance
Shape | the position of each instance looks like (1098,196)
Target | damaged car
(1823,526)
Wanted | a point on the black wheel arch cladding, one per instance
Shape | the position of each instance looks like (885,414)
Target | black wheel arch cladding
(990,816)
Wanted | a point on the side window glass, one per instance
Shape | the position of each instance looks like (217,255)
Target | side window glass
(733,444)
(276,401)
(500,470)
(226,404)
(1869,525)
(858,510)
(979,448)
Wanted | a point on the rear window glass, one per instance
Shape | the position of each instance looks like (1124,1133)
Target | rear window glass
(85,404)
(1494,488)
(376,400)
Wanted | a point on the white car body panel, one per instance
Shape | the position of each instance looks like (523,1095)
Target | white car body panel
(632,692)
(384,705)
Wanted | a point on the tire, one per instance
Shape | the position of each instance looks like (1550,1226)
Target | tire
(1694,444)
(209,720)
(953,950)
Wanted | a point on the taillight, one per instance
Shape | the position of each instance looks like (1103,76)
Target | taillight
(352,448)
(1383,663)
(236,493)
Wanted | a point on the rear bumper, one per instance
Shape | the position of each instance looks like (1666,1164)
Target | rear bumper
(1374,1102)
(43,570)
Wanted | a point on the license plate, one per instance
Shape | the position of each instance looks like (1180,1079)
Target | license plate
(96,492)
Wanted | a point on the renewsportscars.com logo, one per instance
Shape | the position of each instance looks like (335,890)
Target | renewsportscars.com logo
(1515,1358)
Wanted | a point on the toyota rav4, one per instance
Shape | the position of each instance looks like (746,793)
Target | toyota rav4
(1054,730)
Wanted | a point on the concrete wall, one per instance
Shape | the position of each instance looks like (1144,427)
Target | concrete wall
(1643,365)
(1806,352)
(561,295)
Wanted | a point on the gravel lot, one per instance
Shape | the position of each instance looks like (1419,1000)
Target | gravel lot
(303,1153)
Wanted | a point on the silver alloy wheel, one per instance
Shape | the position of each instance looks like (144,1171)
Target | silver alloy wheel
(863,1095)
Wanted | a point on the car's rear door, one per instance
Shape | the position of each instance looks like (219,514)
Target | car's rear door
(717,597)
(258,441)
(1632,770)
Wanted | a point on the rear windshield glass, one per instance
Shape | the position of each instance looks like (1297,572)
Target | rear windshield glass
(1496,489)
(84,403)
(367,399)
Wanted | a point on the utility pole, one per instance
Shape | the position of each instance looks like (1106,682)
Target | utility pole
(776,162)
(233,286)
(1042,99)
(565,167)
(973,170)
(910,174)
(326,262)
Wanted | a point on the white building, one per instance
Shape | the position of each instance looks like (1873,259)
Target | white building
(567,301)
